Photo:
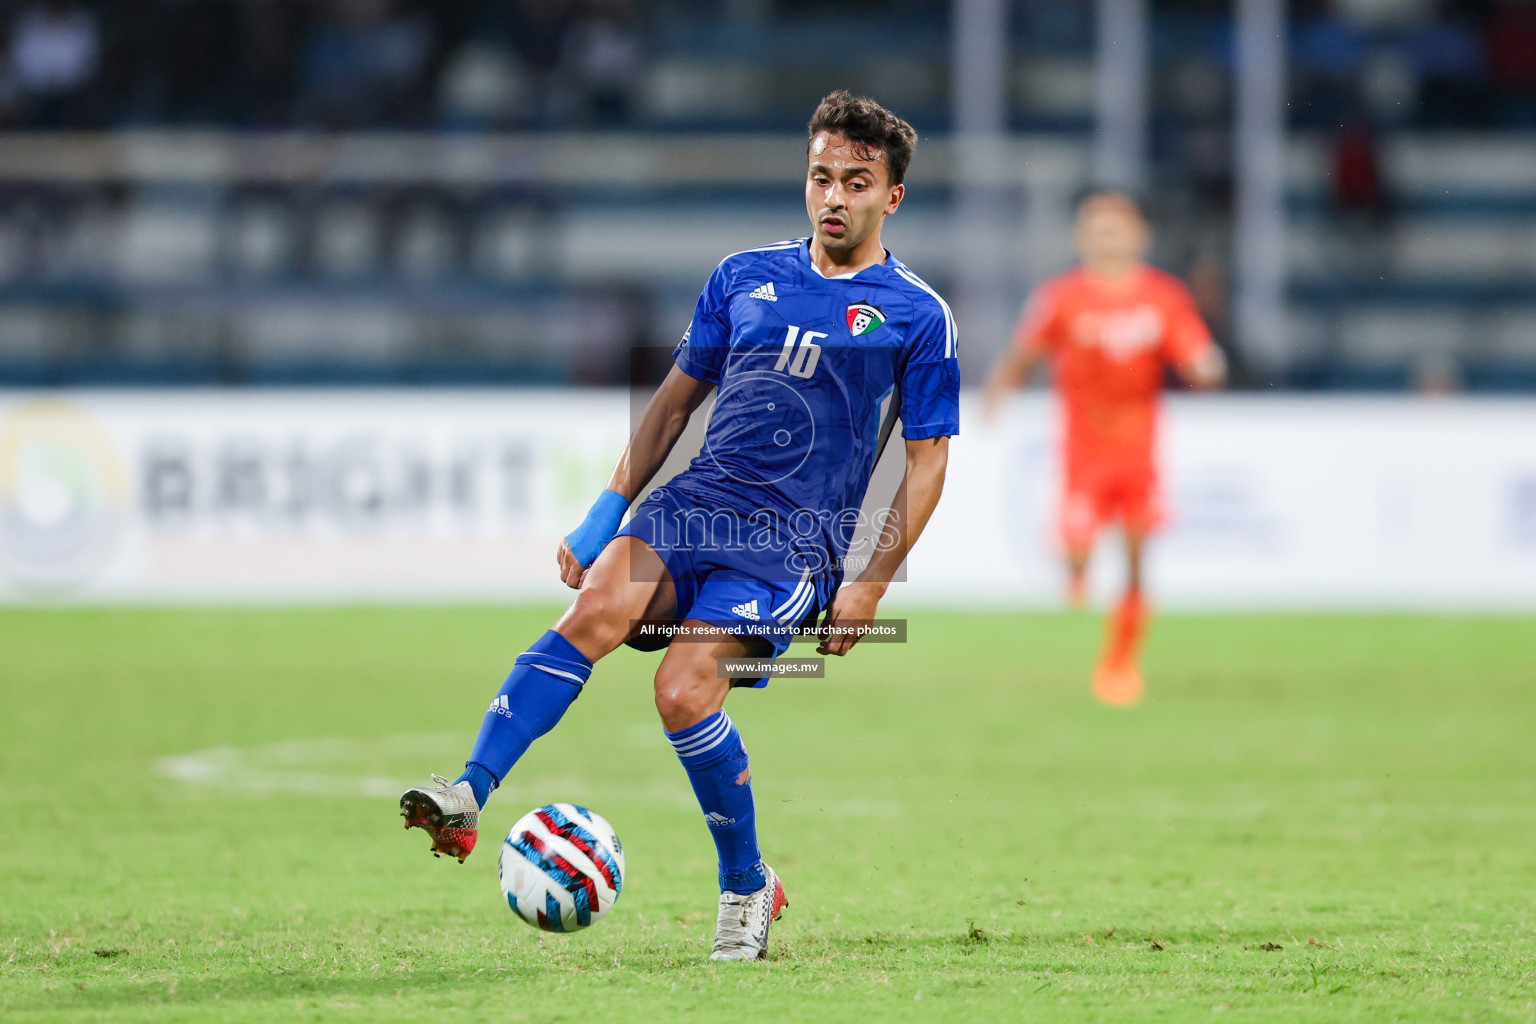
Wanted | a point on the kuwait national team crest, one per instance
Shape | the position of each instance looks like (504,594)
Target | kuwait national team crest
(864,318)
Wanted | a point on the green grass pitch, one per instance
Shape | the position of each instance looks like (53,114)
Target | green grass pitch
(1312,818)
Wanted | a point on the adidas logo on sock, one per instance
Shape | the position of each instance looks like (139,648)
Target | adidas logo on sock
(747,611)
(718,820)
(501,706)
(764,291)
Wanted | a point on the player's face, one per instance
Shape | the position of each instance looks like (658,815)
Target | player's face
(1111,230)
(847,192)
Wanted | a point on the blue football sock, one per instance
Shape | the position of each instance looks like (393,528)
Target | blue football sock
(717,766)
(480,780)
(545,680)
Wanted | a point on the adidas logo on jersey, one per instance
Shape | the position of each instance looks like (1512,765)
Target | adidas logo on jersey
(747,611)
(764,291)
(500,706)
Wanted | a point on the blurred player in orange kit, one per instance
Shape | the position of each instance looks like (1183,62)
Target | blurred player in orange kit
(1109,328)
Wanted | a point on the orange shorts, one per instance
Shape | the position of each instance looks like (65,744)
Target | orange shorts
(1098,494)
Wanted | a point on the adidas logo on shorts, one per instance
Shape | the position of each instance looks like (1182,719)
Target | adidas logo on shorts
(764,291)
(747,611)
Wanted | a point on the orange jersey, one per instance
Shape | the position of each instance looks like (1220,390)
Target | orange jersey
(1109,342)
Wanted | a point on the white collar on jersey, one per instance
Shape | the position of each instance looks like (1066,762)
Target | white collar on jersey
(840,277)
(835,277)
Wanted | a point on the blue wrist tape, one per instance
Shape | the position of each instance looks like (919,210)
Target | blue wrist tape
(588,540)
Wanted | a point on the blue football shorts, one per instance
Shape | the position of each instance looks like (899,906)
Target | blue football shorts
(749,589)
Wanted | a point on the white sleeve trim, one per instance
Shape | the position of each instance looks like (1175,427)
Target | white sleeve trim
(950,340)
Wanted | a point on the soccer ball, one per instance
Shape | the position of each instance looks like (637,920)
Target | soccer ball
(561,868)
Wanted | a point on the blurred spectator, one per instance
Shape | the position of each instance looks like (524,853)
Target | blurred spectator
(55,56)
(538,30)
(483,85)
(1512,60)
(1210,287)
(269,35)
(601,59)
(1357,170)
(1449,59)
(1328,56)
(363,64)
(197,54)
(1207,162)
(1360,199)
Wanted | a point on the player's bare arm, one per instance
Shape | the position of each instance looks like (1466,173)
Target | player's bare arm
(1013,369)
(663,422)
(914,503)
(1207,371)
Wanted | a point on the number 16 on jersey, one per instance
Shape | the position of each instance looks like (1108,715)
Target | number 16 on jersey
(799,360)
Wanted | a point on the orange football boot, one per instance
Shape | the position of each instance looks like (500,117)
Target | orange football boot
(1116,679)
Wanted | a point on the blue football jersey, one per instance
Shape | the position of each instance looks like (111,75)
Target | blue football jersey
(805,368)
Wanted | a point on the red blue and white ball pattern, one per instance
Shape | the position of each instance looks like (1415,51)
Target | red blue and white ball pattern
(562,867)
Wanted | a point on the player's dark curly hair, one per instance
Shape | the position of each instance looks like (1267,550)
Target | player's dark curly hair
(871,128)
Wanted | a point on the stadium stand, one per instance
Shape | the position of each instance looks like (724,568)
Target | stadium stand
(222,191)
